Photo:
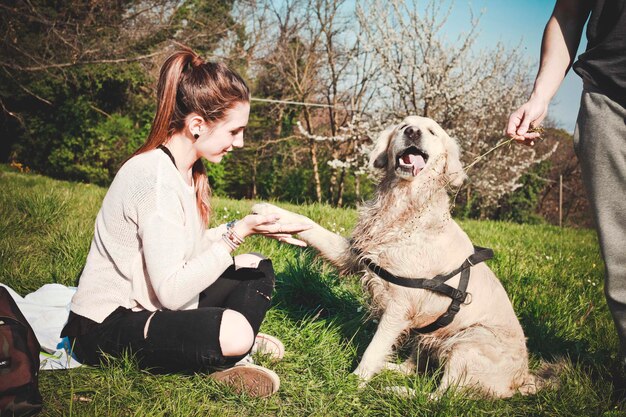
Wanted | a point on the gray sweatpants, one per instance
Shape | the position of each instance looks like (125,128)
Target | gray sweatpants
(600,143)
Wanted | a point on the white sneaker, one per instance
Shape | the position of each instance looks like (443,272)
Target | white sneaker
(254,380)
(265,344)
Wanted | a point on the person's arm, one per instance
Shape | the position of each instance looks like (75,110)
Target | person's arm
(213,235)
(263,225)
(175,279)
(558,50)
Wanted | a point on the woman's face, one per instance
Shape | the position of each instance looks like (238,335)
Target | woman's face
(225,135)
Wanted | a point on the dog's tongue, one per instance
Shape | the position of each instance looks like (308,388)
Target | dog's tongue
(417,161)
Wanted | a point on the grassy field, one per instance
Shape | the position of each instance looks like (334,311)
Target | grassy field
(552,275)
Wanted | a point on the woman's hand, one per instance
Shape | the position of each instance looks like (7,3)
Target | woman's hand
(269,226)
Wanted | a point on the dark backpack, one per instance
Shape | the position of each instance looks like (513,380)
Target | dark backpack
(19,361)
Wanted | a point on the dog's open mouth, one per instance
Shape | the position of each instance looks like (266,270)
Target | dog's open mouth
(411,161)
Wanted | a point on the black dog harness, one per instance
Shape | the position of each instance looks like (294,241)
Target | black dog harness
(437,284)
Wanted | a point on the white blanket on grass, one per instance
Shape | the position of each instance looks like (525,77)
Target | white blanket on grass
(46,310)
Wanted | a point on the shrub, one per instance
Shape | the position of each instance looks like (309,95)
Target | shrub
(520,206)
(98,153)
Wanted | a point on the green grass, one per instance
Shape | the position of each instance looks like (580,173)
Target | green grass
(553,276)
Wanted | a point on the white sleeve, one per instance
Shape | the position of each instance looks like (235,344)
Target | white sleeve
(213,235)
(176,280)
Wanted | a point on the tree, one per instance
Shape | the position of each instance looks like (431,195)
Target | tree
(468,92)
(317,58)
(347,71)
(76,82)
(281,69)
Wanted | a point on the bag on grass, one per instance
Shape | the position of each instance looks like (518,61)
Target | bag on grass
(19,362)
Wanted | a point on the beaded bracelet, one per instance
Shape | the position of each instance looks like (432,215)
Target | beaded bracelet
(232,238)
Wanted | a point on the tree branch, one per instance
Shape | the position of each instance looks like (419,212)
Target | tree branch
(44,67)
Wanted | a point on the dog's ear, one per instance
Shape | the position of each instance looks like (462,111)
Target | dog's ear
(454,167)
(378,155)
(381,161)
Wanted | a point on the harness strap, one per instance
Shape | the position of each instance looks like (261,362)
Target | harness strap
(421,283)
(437,284)
(455,306)
(480,255)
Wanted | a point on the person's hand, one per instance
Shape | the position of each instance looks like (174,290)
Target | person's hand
(269,226)
(524,122)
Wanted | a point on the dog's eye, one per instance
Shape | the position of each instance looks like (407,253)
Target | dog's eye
(403,126)
(432,132)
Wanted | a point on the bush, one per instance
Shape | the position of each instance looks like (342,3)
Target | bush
(94,121)
(520,206)
(98,153)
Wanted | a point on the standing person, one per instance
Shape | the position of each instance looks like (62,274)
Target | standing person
(156,281)
(600,135)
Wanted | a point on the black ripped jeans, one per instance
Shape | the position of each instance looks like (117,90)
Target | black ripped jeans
(177,341)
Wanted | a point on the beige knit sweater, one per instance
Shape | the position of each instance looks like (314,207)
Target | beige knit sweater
(150,250)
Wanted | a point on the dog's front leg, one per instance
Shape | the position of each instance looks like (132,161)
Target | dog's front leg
(392,323)
(331,246)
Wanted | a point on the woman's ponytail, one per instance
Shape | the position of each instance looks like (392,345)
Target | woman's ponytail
(167,89)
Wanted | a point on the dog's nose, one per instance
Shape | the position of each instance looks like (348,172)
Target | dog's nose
(413,133)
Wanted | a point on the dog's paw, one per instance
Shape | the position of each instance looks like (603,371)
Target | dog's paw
(405,368)
(285,215)
(404,392)
(363,373)
(435,396)
(265,208)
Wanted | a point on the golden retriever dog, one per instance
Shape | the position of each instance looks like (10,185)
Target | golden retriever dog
(407,230)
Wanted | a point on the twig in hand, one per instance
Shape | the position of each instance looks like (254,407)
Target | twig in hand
(499,145)
(504,141)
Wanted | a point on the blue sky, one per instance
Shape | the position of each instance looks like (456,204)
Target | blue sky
(521,22)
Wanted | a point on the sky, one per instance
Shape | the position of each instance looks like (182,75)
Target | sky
(521,22)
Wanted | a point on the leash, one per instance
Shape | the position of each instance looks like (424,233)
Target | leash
(437,284)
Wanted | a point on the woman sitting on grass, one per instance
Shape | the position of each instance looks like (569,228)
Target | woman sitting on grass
(157,282)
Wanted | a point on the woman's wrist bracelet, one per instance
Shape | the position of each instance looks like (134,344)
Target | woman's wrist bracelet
(230,228)
(232,238)
(229,242)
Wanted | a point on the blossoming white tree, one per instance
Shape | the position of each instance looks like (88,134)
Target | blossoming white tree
(469,92)
(392,61)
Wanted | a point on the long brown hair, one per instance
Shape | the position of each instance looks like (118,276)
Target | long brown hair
(187,84)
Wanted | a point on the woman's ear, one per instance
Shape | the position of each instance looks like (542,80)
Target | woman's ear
(454,167)
(378,155)
(195,125)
